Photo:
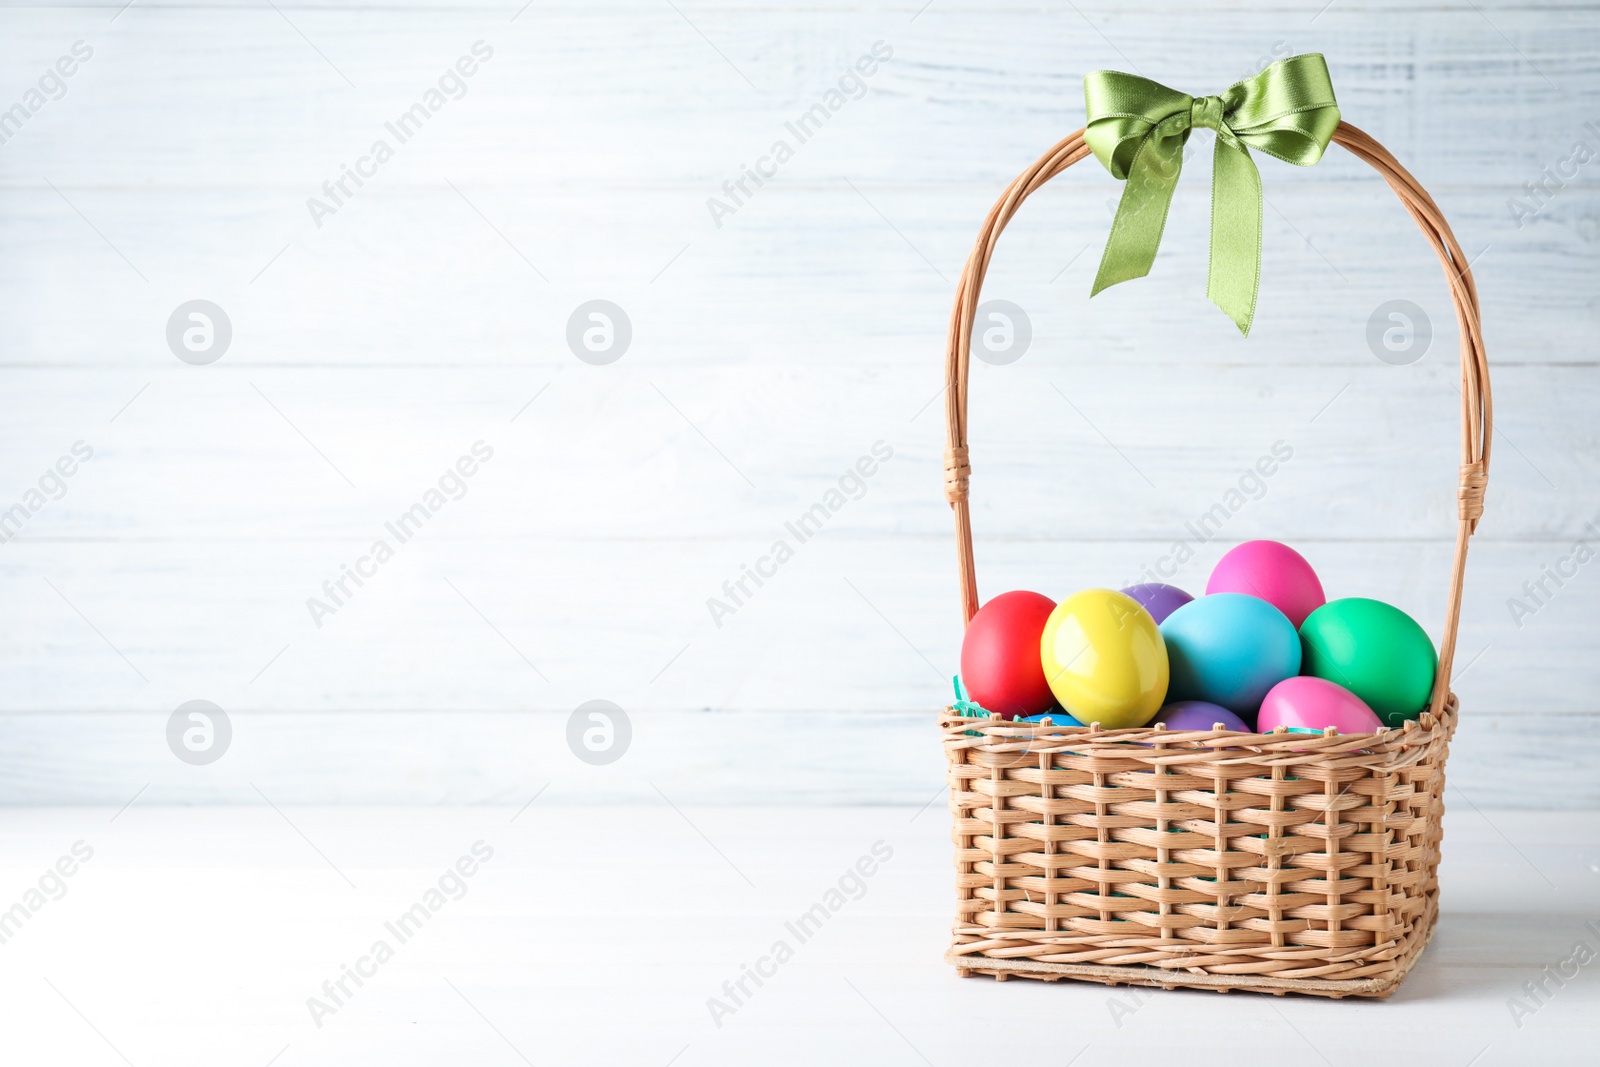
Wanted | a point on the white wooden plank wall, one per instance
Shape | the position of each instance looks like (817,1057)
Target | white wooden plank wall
(769,352)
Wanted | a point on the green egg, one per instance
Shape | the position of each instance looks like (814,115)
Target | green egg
(1376,651)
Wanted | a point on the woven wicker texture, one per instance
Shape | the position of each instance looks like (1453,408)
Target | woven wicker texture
(1277,862)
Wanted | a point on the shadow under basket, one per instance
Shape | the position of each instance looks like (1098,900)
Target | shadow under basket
(1286,863)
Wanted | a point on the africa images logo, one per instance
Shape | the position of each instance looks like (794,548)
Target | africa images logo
(453,81)
(410,522)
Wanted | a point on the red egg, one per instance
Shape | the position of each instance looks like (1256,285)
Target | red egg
(1000,655)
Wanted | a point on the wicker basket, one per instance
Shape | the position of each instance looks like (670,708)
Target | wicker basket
(1287,863)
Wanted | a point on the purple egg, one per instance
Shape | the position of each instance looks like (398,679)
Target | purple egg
(1199,715)
(1158,599)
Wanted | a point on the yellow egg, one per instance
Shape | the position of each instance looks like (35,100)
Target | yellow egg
(1104,659)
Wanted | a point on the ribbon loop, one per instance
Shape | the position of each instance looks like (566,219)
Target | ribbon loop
(1137,130)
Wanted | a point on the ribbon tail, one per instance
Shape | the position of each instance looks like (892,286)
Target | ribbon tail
(1234,275)
(1141,213)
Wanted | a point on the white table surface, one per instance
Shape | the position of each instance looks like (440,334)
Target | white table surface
(596,934)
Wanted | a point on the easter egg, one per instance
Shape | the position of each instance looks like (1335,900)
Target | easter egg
(1376,651)
(1104,659)
(1307,703)
(1199,715)
(1057,718)
(1158,598)
(1272,571)
(1000,655)
(1229,649)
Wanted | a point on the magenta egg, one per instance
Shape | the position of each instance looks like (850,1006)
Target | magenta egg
(1272,571)
(1307,703)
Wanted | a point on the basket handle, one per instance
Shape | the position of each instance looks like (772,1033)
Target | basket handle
(1477,410)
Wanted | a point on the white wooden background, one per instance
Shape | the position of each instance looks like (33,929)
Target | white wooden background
(768,354)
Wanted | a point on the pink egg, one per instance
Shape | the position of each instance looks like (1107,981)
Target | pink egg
(1308,703)
(1272,571)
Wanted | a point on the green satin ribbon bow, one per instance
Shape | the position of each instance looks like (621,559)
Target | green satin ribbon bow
(1137,129)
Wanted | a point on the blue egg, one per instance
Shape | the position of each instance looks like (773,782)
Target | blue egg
(1057,718)
(1229,649)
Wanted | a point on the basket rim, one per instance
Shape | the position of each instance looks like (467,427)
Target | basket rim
(1391,749)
